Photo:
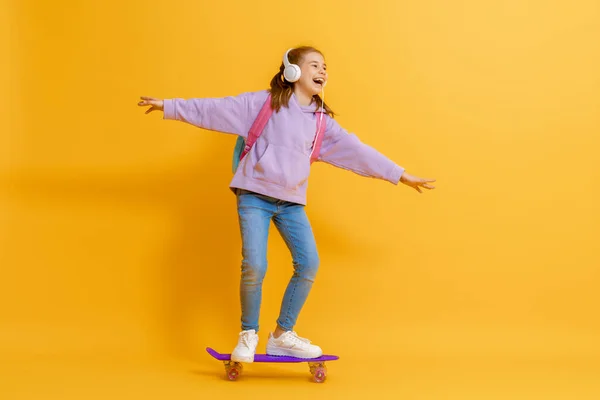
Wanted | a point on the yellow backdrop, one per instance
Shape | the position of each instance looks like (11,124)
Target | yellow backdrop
(119,235)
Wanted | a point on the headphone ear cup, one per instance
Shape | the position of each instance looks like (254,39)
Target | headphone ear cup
(292,73)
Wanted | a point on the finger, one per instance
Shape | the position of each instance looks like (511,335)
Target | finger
(147,98)
(148,111)
(418,189)
(427,186)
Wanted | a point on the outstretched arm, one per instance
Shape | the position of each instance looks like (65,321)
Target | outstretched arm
(344,150)
(233,114)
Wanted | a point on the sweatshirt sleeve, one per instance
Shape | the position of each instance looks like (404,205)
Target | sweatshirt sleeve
(344,150)
(232,114)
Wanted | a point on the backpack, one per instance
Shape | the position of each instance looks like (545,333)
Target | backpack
(243,146)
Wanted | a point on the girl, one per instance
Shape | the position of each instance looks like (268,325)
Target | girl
(271,180)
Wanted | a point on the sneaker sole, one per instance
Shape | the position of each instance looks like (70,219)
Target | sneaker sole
(248,360)
(291,353)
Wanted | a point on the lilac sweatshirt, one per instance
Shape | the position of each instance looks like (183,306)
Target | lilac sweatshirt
(278,165)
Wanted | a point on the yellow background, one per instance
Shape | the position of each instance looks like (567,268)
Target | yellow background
(120,248)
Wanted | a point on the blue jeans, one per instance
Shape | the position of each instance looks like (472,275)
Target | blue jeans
(255,213)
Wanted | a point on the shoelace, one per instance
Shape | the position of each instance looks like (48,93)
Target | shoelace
(295,337)
(246,339)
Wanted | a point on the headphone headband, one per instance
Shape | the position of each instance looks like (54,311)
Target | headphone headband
(286,60)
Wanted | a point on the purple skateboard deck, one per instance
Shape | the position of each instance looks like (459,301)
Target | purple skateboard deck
(234,369)
(265,358)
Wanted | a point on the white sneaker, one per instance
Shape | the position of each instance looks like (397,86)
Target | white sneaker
(246,347)
(290,344)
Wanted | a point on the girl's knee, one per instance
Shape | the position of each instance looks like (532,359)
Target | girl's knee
(254,270)
(309,266)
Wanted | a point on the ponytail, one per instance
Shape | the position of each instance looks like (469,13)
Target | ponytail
(281,91)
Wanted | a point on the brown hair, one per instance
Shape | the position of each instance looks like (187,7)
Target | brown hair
(281,90)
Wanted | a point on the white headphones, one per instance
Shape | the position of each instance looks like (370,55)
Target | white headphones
(292,72)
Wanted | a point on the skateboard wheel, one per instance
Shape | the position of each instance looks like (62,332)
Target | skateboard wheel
(320,374)
(233,374)
(318,371)
(233,370)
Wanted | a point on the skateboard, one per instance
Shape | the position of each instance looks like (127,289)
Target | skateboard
(234,369)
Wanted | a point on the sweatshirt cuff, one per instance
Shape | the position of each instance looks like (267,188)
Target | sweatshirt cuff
(397,172)
(168,109)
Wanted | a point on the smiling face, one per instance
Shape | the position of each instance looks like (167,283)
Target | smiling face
(314,75)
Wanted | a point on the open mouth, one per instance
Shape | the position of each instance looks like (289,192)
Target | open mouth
(319,81)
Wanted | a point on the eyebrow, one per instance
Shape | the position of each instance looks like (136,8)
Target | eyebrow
(316,62)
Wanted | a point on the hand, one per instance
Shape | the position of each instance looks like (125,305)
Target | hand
(416,182)
(157,105)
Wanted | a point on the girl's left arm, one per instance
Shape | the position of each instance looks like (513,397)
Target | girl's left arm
(344,150)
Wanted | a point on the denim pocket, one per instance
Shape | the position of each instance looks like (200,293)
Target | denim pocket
(282,166)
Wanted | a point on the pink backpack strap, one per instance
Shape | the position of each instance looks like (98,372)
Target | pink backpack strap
(258,126)
(319,138)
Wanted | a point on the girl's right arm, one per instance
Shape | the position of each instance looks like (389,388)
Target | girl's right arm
(232,114)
